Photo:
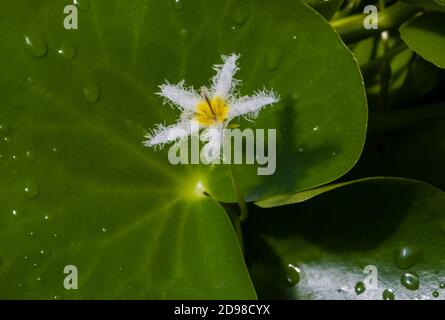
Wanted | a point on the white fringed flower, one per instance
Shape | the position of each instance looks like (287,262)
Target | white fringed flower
(210,109)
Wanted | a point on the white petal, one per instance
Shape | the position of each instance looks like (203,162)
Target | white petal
(180,96)
(162,134)
(251,106)
(223,82)
(212,148)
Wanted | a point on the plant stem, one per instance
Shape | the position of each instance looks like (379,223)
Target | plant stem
(242,203)
(385,73)
(351,28)
(373,64)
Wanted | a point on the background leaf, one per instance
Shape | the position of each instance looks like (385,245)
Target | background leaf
(326,8)
(425,35)
(437,5)
(405,143)
(318,249)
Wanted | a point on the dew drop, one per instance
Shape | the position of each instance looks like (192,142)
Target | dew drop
(31,189)
(184,33)
(55,150)
(316,128)
(406,257)
(273,59)
(15,212)
(30,80)
(36,45)
(36,265)
(7,140)
(91,93)
(360,287)
(32,234)
(30,155)
(83,5)
(435,294)
(45,252)
(49,217)
(410,281)
(388,294)
(5,128)
(67,51)
(293,274)
(240,13)
(177,4)
(442,285)
(39,278)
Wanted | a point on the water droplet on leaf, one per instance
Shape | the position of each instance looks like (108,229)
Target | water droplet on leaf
(44,252)
(240,13)
(91,93)
(360,287)
(388,294)
(30,155)
(5,128)
(273,58)
(177,4)
(7,140)
(36,45)
(406,257)
(410,281)
(435,294)
(31,189)
(67,51)
(184,33)
(293,274)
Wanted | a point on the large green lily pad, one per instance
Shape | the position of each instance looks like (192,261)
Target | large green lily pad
(78,188)
(319,249)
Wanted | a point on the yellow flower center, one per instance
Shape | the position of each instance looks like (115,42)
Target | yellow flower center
(213,111)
